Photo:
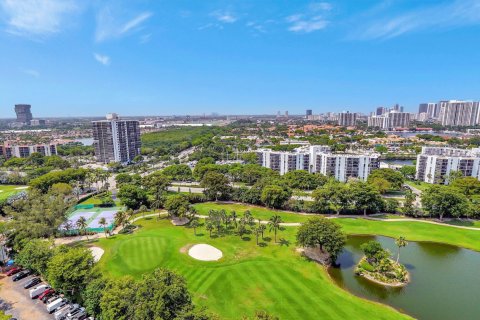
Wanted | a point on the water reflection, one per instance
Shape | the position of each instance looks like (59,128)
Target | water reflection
(437,271)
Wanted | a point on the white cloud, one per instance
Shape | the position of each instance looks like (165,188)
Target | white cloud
(456,14)
(224,16)
(108,26)
(312,19)
(308,25)
(36,17)
(103,59)
(31,72)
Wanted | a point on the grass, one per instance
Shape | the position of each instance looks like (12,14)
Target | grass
(273,277)
(420,185)
(6,191)
(257,212)
(464,223)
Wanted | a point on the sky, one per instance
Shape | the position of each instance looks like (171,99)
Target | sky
(140,57)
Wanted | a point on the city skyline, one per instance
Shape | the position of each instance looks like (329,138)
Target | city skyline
(73,58)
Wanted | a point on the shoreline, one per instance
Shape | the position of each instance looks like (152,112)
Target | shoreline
(369,275)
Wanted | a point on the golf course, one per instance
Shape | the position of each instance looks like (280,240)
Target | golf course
(6,191)
(270,276)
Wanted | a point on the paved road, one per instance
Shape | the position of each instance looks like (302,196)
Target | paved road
(15,301)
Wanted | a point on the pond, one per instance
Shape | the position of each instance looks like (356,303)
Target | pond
(445,280)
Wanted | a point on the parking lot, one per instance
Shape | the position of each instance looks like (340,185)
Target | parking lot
(15,300)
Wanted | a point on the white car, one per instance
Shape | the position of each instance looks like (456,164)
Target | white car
(35,292)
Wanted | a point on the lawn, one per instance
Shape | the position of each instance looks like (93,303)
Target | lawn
(420,185)
(273,277)
(7,191)
(257,212)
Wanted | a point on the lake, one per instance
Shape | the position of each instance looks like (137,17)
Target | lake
(445,280)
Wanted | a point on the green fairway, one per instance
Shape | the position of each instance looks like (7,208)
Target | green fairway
(7,191)
(257,212)
(420,185)
(274,277)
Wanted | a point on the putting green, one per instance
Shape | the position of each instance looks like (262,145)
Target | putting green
(271,277)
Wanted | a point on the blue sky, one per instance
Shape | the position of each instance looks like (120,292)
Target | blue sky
(143,57)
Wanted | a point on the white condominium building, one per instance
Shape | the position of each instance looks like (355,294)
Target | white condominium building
(319,159)
(390,120)
(347,119)
(458,113)
(434,164)
(10,150)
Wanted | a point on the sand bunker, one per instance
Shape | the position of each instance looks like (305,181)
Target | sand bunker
(205,252)
(21,188)
(97,253)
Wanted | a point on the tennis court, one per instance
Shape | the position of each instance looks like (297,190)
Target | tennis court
(93,215)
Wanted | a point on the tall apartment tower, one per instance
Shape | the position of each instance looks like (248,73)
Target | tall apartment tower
(347,119)
(309,112)
(459,113)
(24,113)
(116,140)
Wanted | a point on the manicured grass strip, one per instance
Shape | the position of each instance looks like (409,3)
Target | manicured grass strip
(248,278)
(6,191)
(414,231)
(257,212)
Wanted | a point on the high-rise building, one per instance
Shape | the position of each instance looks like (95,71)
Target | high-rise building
(24,113)
(435,164)
(347,119)
(458,113)
(433,110)
(398,119)
(422,107)
(309,112)
(320,159)
(380,111)
(9,149)
(116,140)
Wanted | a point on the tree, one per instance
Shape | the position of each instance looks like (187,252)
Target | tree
(334,195)
(301,179)
(381,149)
(121,218)
(82,225)
(391,205)
(113,304)
(69,269)
(381,184)
(250,157)
(395,178)
(209,226)
(194,224)
(35,255)
(215,185)
(161,294)
(408,172)
(400,242)
(61,188)
(132,196)
(374,252)
(261,229)
(179,172)
(365,197)
(324,234)
(103,223)
(256,230)
(177,205)
(408,204)
(467,185)
(92,294)
(274,196)
(440,201)
(274,224)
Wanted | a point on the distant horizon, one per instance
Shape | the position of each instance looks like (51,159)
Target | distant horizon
(71,58)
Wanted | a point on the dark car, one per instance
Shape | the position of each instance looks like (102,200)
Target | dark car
(13,271)
(32,282)
(21,275)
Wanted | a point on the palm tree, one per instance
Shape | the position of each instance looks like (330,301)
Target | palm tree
(67,226)
(130,214)
(234,218)
(82,225)
(400,242)
(194,224)
(103,223)
(274,224)
(120,218)
(143,208)
(256,230)
(262,229)
(209,226)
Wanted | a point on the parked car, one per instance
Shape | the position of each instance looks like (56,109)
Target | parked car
(35,292)
(60,302)
(74,314)
(46,293)
(32,282)
(61,313)
(13,271)
(22,274)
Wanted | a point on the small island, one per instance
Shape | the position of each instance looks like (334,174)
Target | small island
(378,267)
